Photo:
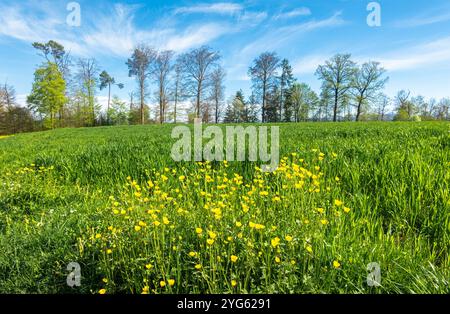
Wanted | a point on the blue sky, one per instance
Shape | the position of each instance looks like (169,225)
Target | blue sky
(412,43)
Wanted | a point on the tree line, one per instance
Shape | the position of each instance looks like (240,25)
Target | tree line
(65,90)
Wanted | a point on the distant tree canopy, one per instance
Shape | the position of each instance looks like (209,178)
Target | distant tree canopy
(174,88)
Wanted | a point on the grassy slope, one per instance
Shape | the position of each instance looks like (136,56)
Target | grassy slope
(396,175)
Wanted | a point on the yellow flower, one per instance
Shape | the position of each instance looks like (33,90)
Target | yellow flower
(320,210)
(198,266)
(181,178)
(102,291)
(324,222)
(198,230)
(336,264)
(145,290)
(233,283)
(277,259)
(212,235)
(166,221)
(98,236)
(346,209)
(108,251)
(156,223)
(149,266)
(192,254)
(288,238)
(233,258)
(171,282)
(309,248)
(137,228)
(238,224)
(162,284)
(105,280)
(275,242)
(337,179)
(338,203)
(142,224)
(210,241)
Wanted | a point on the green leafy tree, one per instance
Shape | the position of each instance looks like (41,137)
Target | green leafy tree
(286,81)
(337,75)
(368,81)
(48,91)
(107,80)
(118,112)
(303,100)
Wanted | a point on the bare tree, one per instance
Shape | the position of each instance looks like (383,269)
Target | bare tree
(139,66)
(161,71)
(337,75)
(217,91)
(367,83)
(87,77)
(264,74)
(177,87)
(198,65)
(383,102)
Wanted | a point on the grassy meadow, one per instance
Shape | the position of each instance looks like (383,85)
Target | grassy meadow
(113,200)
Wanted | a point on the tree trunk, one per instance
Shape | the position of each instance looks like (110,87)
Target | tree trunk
(263,109)
(142,102)
(199,88)
(358,111)
(335,105)
(109,101)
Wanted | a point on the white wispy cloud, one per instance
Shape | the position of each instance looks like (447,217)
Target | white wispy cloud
(276,36)
(423,20)
(309,64)
(429,53)
(293,13)
(111,33)
(214,8)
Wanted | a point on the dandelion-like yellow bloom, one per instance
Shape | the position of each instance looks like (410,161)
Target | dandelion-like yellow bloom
(338,203)
(233,283)
(192,254)
(277,260)
(162,283)
(309,248)
(238,224)
(198,230)
(336,264)
(145,290)
(198,266)
(275,242)
(171,282)
(288,238)
(137,228)
(108,251)
(166,221)
(346,209)
(149,266)
(324,222)
(210,241)
(234,258)
(102,291)
(212,235)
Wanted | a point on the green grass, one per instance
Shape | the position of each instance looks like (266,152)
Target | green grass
(60,190)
